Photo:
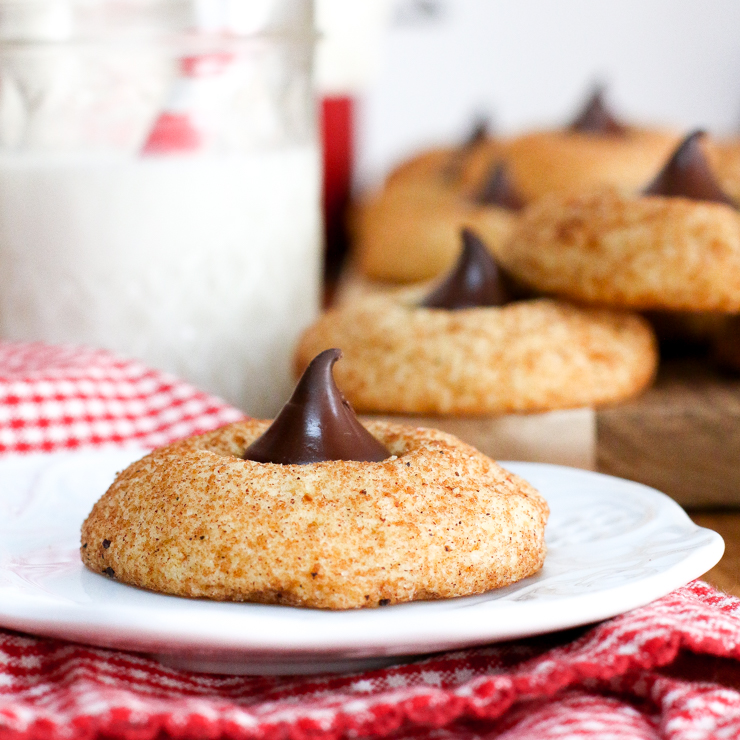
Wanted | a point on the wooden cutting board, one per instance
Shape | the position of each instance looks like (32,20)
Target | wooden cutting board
(681,437)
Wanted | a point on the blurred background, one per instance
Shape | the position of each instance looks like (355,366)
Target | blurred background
(398,76)
(145,145)
(531,63)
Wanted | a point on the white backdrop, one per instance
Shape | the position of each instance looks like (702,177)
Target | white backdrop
(531,62)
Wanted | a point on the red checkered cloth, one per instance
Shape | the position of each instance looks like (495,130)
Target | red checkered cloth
(71,398)
(668,670)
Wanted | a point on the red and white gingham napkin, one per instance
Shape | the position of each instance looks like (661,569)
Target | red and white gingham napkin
(668,670)
(70,398)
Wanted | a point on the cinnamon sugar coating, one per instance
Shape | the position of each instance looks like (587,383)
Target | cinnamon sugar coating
(648,252)
(526,356)
(437,520)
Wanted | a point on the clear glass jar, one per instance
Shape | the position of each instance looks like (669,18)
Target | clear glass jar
(159,184)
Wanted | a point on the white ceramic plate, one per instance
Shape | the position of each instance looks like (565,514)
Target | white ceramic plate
(613,545)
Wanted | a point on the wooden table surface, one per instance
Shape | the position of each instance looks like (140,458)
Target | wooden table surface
(726,574)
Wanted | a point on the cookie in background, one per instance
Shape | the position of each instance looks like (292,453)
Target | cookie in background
(465,356)
(595,149)
(674,246)
(411,233)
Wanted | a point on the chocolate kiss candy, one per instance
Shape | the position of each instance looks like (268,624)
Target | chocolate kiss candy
(596,118)
(687,174)
(478,134)
(317,424)
(499,190)
(475,281)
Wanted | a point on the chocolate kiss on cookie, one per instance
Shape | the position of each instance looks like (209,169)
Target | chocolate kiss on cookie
(476,280)
(596,150)
(687,174)
(596,118)
(498,190)
(479,134)
(317,424)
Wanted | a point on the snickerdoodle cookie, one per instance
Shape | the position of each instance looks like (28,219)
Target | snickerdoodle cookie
(459,352)
(595,150)
(395,514)
(409,234)
(676,246)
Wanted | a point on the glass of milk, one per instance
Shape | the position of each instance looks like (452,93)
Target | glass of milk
(159,184)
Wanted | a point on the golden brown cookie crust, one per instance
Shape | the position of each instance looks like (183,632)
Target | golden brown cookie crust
(565,162)
(437,520)
(410,234)
(527,356)
(611,249)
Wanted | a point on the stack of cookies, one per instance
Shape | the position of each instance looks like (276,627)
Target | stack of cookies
(518,377)
(408,230)
(527,260)
(586,225)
